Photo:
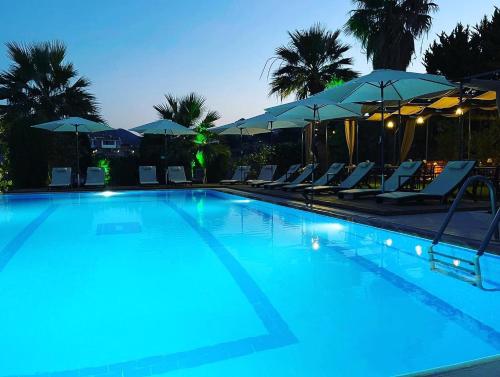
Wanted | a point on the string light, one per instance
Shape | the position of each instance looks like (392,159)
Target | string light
(390,124)
(459,111)
(420,120)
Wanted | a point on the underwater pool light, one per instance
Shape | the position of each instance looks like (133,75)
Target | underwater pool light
(107,194)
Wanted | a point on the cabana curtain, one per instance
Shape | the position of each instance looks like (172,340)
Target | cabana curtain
(407,138)
(350,137)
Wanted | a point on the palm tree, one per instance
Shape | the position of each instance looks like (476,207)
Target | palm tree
(388,29)
(39,86)
(189,111)
(310,61)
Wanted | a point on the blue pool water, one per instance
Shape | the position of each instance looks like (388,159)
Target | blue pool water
(202,283)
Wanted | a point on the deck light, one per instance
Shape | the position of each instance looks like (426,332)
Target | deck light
(388,242)
(420,120)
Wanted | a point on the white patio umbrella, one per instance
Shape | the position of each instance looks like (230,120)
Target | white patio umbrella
(165,127)
(236,128)
(258,124)
(391,85)
(315,108)
(76,125)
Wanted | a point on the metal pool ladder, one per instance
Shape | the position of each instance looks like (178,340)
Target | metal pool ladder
(467,270)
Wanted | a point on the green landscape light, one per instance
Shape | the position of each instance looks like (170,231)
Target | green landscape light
(104,165)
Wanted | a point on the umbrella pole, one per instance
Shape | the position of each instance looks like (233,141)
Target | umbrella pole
(271,135)
(302,146)
(461,124)
(469,137)
(315,111)
(241,153)
(165,145)
(77,158)
(326,144)
(427,139)
(382,132)
(357,142)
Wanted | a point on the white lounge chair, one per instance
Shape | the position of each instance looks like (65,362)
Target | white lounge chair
(403,174)
(331,174)
(61,177)
(308,169)
(353,180)
(147,175)
(176,175)
(239,176)
(266,174)
(284,178)
(95,176)
(454,173)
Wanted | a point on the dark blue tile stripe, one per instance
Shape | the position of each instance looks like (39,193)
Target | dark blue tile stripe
(265,310)
(467,322)
(18,241)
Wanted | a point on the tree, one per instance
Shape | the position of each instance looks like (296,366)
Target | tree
(466,51)
(310,61)
(453,55)
(189,111)
(39,86)
(388,29)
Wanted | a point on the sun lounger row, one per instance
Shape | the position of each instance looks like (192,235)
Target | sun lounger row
(61,177)
(454,173)
(173,175)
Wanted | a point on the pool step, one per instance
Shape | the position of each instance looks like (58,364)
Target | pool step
(466,270)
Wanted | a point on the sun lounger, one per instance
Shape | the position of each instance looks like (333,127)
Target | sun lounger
(266,174)
(147,175)
(396,181)
(95,176)
(300,179)
(354,179)
(284,178)
(454,173)
(239,176)
(332,173)
(61,177)
(176,175)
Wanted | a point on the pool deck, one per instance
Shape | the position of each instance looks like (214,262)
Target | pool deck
(467,227)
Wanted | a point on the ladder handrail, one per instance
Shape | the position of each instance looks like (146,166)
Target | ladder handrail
(493,228)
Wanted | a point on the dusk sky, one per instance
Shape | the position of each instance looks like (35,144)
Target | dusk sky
(135,51)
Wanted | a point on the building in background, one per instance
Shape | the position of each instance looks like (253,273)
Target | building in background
(115,143)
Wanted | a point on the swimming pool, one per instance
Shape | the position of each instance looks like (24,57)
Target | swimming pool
(204,283)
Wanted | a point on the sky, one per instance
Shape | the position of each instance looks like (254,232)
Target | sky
(135,51)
